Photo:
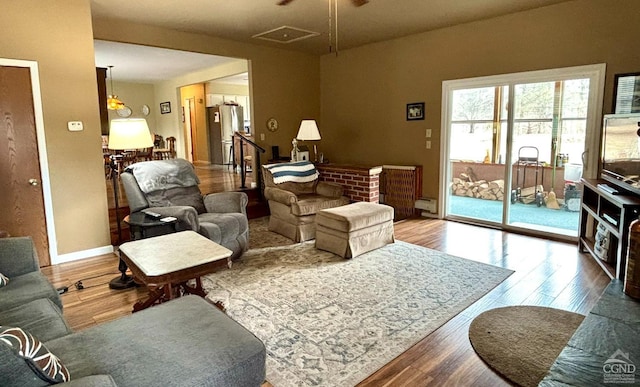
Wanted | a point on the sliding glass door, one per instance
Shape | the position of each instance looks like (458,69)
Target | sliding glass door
(520,170)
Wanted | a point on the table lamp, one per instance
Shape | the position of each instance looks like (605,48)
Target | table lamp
(128,133)
(309,132)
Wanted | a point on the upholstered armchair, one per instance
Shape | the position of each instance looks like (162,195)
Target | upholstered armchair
(170,188)
(295,196)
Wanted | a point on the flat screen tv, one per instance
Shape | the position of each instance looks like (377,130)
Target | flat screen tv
(621,151)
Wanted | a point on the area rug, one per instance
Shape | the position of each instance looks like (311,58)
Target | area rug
(328,321)
(260,236)
(522,342)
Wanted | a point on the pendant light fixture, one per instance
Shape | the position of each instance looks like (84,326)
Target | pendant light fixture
(113,103)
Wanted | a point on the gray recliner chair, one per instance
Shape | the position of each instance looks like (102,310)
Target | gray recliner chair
(170,188)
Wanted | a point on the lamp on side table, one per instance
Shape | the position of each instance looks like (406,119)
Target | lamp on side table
(309,132)
(130,133)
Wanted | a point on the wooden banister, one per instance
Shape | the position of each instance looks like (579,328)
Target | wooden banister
(243,171)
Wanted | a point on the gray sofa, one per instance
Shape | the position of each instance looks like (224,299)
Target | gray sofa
(184,342)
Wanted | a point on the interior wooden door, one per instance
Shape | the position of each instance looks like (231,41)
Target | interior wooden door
(194,129)
(22,204)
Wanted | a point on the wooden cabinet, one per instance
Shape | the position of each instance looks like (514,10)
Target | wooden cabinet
(101,75)
(214,100)
(614,213)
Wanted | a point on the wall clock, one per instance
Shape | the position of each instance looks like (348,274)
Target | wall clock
(272,124)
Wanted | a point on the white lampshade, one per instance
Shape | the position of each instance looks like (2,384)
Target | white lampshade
(308,131)
(129,133)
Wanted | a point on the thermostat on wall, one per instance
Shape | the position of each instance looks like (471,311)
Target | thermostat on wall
(75,126)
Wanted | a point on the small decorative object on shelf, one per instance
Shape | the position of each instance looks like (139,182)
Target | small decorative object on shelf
(601,244)
(632,276)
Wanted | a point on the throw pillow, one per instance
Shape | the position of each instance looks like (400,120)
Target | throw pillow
(3,280)
(45,364)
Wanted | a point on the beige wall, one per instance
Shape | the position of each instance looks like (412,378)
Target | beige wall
(58,35)
(135,95)
(365,90)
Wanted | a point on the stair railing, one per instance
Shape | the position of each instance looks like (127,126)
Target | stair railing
(243,170)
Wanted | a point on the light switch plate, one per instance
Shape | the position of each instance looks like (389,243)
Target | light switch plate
(75,126)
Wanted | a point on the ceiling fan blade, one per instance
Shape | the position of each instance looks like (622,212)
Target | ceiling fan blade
(357,3)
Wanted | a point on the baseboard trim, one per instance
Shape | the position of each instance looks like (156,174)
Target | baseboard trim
(62,258)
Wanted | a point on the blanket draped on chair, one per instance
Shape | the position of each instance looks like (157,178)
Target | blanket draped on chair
(163,174)
(297,172)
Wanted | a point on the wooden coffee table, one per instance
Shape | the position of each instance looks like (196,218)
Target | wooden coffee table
(166,263)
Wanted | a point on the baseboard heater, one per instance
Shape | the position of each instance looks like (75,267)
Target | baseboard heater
(427,204)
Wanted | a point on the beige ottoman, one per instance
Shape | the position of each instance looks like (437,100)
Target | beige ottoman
(354,229)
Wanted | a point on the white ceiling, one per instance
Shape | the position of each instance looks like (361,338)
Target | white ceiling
(142,64)
(240,20)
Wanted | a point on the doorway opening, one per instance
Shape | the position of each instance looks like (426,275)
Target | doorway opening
(153,92)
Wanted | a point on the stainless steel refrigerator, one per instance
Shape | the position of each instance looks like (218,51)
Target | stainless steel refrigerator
(224,121)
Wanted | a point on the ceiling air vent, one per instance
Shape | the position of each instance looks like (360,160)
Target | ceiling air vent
(285,34)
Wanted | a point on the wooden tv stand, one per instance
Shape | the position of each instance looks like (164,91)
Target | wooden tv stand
(615,212)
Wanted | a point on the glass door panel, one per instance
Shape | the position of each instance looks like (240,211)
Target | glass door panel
(475,155)
(549,132)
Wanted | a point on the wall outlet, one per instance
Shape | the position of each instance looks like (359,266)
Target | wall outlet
(261,136)
(428,133)
(428,144)
(75,126)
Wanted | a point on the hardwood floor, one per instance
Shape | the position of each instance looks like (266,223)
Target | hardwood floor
(547,273)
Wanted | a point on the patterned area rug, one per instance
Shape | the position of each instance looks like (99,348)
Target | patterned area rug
(327,321)
(260,236)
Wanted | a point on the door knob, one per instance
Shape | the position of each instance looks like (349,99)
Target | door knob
(33,182)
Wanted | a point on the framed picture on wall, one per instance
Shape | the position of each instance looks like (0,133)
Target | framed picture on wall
(626,93)
(165,107)
(415,111)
